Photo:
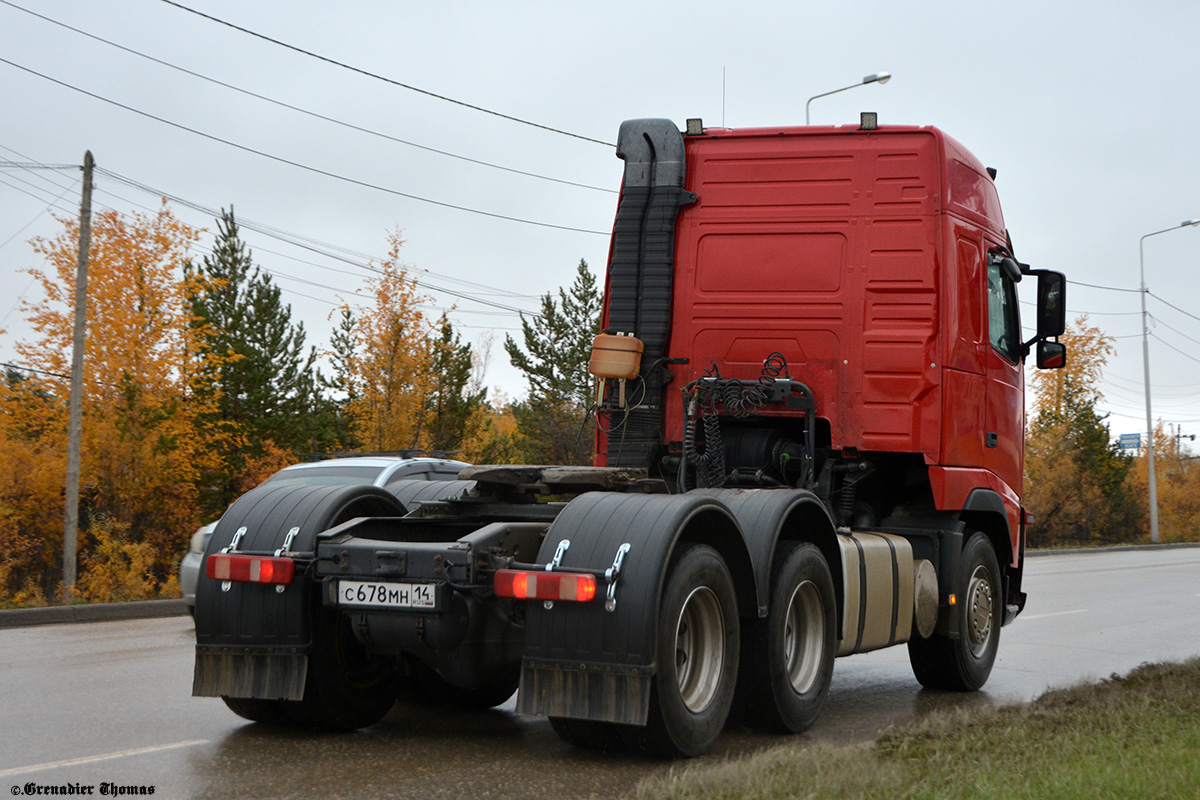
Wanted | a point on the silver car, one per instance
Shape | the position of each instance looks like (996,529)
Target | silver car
(365,470)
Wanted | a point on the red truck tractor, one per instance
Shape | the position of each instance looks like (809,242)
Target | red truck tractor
(810,405)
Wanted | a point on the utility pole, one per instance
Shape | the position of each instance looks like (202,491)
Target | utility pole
(1153,485)
(75,423)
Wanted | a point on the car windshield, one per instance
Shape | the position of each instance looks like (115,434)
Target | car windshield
(324,475)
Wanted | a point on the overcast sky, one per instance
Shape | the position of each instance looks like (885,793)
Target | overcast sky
(1088,111)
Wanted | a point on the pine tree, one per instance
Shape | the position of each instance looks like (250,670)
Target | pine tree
(268,387)
(558,344)
(453,404)
(342,345)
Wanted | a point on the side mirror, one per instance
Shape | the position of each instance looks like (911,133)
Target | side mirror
(1051,355)
(1051,305)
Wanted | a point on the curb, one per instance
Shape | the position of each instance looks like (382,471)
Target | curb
(94,612)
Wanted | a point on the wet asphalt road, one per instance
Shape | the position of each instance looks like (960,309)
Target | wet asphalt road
(110,702)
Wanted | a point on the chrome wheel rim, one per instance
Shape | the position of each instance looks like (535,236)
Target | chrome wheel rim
(804,637)
(699,648)
(980,611)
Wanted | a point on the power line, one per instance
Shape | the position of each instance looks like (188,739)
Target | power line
(304,110)
(299,165)
(297,240)
(36,371)
(1177,308)
(392,81)
(1074,283)
(35,165)
(36,217)
(1091,313)
(304,242)
(1176,330)
(1173,347)
(283,236)
(28,192)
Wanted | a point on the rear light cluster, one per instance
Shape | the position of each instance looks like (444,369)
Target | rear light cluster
(250,569)
(534,585)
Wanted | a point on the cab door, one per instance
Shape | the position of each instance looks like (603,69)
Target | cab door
(1004,419)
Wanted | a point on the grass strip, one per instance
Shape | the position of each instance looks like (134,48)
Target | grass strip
(1136,736)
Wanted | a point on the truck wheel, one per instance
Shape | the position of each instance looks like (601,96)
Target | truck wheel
(346,688)
(790,654)
(697,656)
(274,712)
(438,691)
(964,664)
(592,735)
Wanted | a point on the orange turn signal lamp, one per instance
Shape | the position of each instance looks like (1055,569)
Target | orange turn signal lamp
(522,584)
(250,569)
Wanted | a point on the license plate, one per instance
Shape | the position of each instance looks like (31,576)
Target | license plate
(387,594)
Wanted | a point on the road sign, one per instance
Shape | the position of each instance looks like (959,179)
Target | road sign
(1131,441)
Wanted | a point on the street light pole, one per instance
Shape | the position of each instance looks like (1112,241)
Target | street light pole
(877,77)
(1153,487)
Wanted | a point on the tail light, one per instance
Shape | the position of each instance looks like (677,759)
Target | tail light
(250,569)
(535,585)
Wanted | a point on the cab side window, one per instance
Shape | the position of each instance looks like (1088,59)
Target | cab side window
(1004,326)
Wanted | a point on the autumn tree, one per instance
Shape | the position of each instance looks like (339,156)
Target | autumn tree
(31,486)
(1177,480)
(266,388)
(400,377)
(144,443)
(557,346)
(1075,475)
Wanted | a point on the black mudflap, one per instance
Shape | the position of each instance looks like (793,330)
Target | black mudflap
(271,676)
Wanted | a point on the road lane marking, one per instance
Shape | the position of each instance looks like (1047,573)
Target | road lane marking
(74,762)
(1053,614)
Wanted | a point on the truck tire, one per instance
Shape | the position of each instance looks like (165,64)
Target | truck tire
(273,712)
(698,632)
(436,690)
(789,654)
(591,735)
(964,664)
(347,687)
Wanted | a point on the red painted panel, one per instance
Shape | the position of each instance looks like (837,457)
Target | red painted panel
(952,485)
(767,261)
(962,432)
(1005,416)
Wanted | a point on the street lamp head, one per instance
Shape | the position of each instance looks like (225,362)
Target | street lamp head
(1187,222)
(878,77)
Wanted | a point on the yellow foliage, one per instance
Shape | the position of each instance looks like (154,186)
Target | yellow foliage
(257,469)
(115,568)
(389,376)
(143,444)
(1177,478)
(1088,349)
(493,436)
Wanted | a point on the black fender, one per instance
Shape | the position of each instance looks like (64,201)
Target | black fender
(264,626)
(412,493)
(984,510)
(584,661)
(767,516)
